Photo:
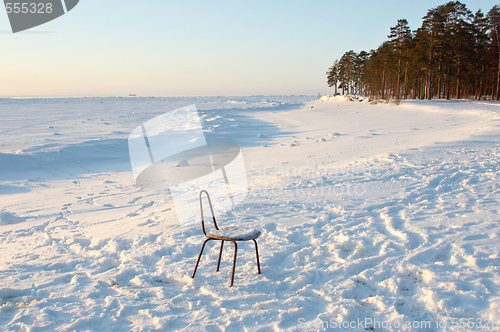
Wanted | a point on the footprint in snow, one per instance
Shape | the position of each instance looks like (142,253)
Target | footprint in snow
(9,218)
(134,200)
(145,206)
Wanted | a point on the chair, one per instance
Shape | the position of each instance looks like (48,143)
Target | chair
(226,234)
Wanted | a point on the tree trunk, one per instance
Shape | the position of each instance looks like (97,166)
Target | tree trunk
(383,84)
(481,87)
(448,86)
(406,81)
(398,97)
(498,77)
(439,87)
(429,87)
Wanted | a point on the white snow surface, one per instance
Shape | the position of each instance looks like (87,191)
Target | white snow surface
(370,214)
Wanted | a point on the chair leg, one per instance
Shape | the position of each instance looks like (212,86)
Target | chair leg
(220,255)
(201,252)
(257,253)
(234,262)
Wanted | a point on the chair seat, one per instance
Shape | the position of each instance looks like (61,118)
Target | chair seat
(234,234)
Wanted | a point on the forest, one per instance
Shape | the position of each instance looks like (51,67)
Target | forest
(454,54)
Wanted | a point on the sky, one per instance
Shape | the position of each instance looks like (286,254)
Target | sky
(196,48)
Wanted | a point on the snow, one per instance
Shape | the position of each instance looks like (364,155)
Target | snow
(382,215)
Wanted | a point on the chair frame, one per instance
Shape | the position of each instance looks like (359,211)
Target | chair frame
(222,243)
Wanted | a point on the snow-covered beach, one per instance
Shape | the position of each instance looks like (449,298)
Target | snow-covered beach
(371,214)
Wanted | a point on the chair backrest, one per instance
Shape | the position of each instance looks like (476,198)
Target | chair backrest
(211,210)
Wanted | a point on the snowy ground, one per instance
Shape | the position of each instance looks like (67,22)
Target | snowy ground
(376,217)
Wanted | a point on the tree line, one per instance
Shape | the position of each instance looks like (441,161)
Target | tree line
(454,54)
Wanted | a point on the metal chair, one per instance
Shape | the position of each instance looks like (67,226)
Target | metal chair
(226,234)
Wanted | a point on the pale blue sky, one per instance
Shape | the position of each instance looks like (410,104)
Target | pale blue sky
(181,48)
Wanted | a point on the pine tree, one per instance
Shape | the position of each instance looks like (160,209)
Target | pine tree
(494,27)
(399,39)
(333,75)
(480,60)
